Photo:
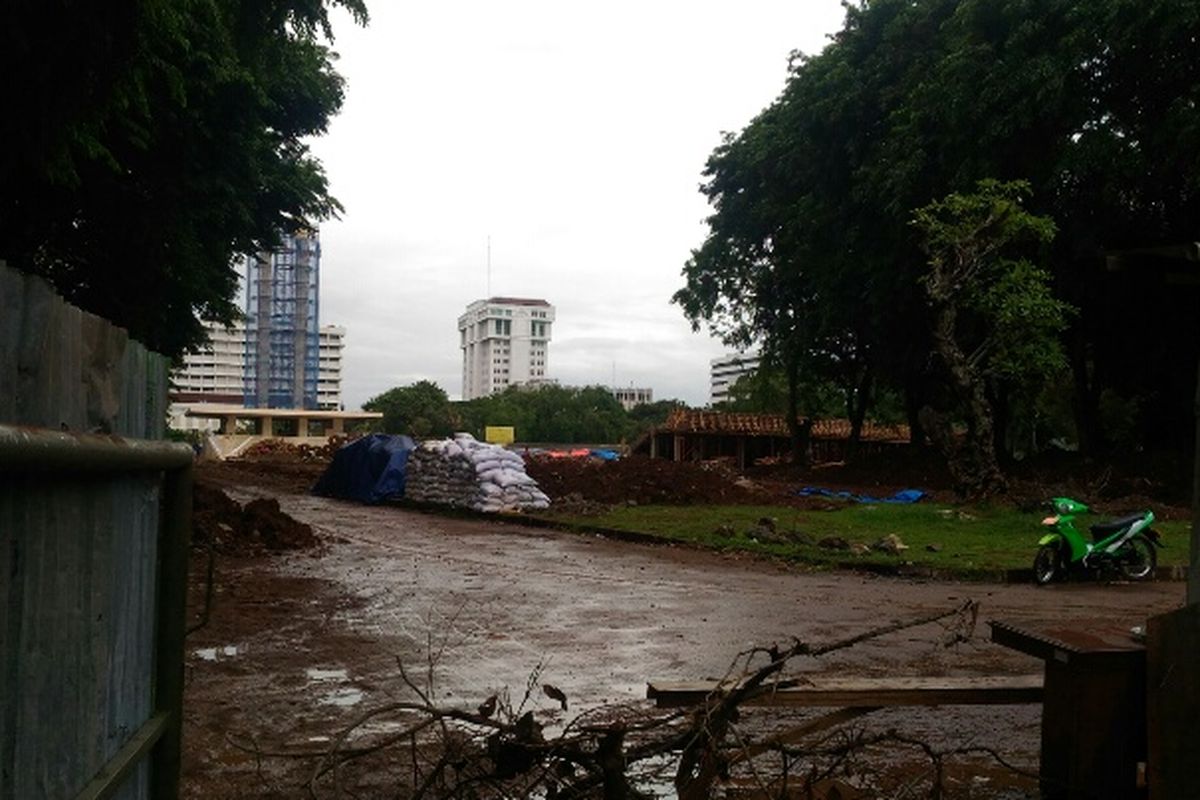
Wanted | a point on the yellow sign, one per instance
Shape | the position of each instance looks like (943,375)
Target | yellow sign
(495,434)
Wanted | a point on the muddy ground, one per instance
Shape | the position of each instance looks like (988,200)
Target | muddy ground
(302,640)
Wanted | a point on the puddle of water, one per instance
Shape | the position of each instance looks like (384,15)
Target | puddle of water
(325,675)
(342,698)
(381,727)
(215,653)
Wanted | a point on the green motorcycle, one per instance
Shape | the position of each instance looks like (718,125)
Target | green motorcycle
(1128,546)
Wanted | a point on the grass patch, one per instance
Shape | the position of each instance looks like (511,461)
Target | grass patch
(959,539)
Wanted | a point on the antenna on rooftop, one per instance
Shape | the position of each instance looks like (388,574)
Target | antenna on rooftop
(489,265)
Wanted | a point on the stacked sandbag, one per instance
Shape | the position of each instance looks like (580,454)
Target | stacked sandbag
(466,473)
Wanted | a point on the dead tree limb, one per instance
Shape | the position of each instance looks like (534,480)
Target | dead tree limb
(702,762)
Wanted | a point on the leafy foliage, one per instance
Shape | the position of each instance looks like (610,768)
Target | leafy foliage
(150,144)
(1095,104)
(765,391)
(422,409)
(552,414)
(1015,318)
(992,315)
(648,415)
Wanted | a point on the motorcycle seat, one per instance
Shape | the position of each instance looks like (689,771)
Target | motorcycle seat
(1103,529)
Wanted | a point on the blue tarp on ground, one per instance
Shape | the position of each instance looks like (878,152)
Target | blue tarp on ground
(369,470)
(902,496)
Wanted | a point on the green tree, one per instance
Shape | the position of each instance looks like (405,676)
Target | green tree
(645,416)
(422,410)
(993,316)
(765,391)
(150,144)
(1095,104)
(588,415)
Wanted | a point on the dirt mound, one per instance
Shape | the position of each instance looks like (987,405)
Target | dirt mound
(257,527)
(643,481)
(280,476)
(279,450)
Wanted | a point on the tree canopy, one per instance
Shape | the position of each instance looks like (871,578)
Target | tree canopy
(422,409)
(992,316)
(559,414)
(1094,104)
(550,413)
(151,143)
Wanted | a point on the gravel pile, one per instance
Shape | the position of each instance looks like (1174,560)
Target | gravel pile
(466,473)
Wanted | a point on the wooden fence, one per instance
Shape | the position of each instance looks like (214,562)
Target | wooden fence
(94,524)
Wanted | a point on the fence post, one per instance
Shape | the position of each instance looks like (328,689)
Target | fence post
(174,541)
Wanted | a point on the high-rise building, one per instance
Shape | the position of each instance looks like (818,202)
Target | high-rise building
(217,373)
(282,336)
(329,378)
(278,357)
(725,371)
(505,342)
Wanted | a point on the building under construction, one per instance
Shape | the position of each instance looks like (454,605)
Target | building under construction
(282,333)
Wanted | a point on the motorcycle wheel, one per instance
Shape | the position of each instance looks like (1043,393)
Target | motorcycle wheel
(1137,559)
(1045,565)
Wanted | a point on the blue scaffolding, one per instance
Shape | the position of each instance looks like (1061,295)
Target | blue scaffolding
(282,328)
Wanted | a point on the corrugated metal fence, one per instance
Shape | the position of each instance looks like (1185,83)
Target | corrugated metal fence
(94,521)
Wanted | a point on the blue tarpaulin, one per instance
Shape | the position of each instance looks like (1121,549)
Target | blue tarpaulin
(369,470)
(902,496)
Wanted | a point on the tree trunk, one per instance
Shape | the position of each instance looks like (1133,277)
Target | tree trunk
(858,411)
(912,410)
(799,433)
(973,462)
(999,398)
(1085,404)
(1193,586)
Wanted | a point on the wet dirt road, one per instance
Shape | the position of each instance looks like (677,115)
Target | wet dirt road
(316,639)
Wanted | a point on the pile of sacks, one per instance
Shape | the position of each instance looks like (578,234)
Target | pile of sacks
(466,473)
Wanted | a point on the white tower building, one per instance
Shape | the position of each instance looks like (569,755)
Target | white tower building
(505,342)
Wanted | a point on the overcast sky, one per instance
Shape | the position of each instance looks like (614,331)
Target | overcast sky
(574,135)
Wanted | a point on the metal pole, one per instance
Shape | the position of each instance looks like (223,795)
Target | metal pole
(27,450)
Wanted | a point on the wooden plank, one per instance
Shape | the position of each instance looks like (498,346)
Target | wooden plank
(860,692)
(103,345)
(34,363)
(12,311)
(113,774)
(174,545)
(11,614)
(78,619)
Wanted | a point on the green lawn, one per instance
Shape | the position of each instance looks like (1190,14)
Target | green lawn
(967,540)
